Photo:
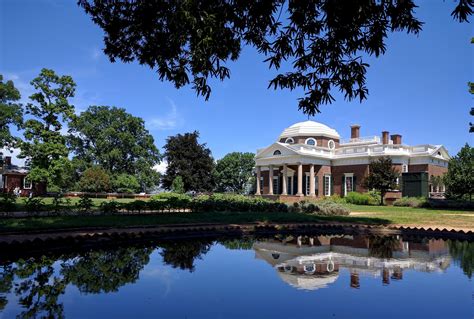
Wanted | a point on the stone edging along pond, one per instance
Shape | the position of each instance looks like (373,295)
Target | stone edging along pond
(103,234)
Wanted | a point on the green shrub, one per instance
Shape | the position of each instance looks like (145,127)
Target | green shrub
(84,204)
(358,198)
(235,203)
(171,201)
(94,180)
(374,197)
(34,204)
(330,208)
(136,206)
(7,202)
(125,183)
(450,204)
(110,207)
(369,198)
(411,202)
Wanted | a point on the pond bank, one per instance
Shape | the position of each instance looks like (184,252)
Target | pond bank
(104,235)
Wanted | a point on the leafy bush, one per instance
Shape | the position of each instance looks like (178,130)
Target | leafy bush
(125,183)
(110,207)
(235,203)
(357,198)
(136,206)
(59,202)
(34,204)
(450,204)
(411,202)
(178,185)
(84,204)
(325,207)
(95,180)
(370,198)
(170,201)
(375,197)
(330,208)
(7,202)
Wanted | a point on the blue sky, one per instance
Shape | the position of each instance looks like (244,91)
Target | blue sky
(417,89)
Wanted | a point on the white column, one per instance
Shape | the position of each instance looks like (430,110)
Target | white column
(300,180)
(270,180)
(312,191)
(285,179)
(257,192)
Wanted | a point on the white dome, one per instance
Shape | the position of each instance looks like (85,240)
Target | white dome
(309,128)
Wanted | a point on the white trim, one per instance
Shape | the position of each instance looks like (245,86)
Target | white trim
(327,184)
(311,139)
(287,141)
(24,185)
(351,176)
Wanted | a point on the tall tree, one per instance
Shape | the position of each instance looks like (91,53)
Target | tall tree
(117,141)
(459,180)
(320,42)
(45,146)
(11,113)
(234,171)
(382,176)
(190,160)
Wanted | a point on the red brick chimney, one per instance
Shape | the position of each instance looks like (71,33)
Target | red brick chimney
(385,137)
(396,138)
(355,131)
(7,161)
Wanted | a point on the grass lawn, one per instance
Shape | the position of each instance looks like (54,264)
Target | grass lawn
(417,216)
(360,215)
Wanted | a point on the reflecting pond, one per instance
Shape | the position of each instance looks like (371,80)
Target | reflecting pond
(282,276)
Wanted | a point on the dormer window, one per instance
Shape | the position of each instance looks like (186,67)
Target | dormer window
(277,152)
(290,140)
(311,141)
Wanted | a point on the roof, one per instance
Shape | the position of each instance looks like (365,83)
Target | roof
(309,128)
(14,170)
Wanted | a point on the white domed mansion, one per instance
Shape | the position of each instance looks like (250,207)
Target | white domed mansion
(311,159)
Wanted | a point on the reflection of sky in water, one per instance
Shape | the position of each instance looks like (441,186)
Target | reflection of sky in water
(240,284)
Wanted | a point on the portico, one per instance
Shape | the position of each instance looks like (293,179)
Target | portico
(291,179)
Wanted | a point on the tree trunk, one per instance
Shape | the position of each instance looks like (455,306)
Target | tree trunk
(382,194)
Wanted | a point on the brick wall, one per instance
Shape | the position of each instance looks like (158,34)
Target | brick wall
(359,171)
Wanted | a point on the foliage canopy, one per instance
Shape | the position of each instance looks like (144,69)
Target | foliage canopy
(319,42)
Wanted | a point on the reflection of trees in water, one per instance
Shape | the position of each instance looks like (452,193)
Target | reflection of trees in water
(182,254)
(238,244)
(463,254)
(106,271)
(39,286)
(6,283)
(383,246)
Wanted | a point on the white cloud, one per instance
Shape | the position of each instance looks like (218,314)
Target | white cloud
(161,168)
(169,121)
(96,54)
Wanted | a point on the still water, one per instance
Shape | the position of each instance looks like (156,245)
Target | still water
(281,276)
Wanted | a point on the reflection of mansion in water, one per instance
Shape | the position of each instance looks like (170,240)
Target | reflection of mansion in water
(311,263)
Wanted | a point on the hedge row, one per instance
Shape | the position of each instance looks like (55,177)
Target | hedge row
(171,202)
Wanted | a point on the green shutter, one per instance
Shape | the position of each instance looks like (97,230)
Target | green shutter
(343,185)
(324,186)
(332,185)
(354,188)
